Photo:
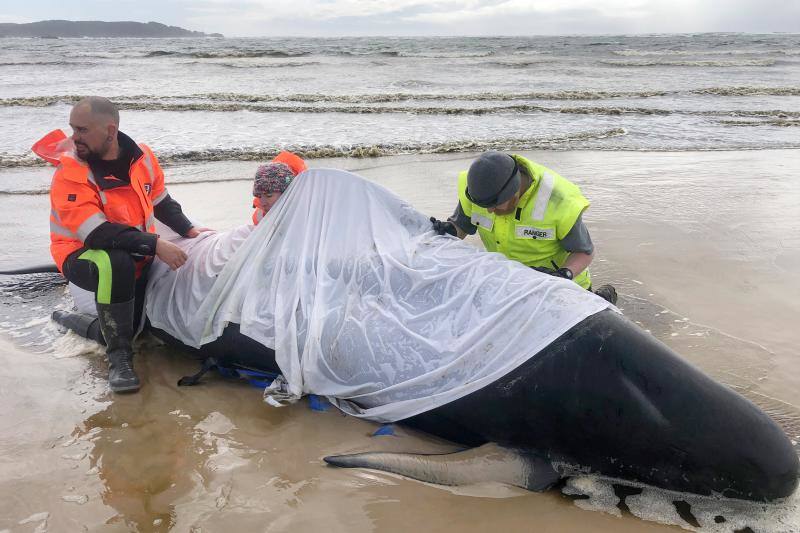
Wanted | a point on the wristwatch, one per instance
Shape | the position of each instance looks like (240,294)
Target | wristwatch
(565,273)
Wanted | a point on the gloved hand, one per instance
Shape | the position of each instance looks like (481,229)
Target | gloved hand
(444,226)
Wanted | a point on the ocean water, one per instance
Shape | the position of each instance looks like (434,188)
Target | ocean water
(245,99)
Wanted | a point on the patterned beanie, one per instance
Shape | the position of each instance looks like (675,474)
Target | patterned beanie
(272,177)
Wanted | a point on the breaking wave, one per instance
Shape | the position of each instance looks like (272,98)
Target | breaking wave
(413,84)
(273,53)
(44,101)
(500,96)
(783,122)
(427,54)
(690,63)
(16,161)
(749,91)
(251,105)
(519,64)
(45,63)
(228,54)
(309,98)
(288,64)
(370,110)
(315,151)
(416,110)
(385,149)
(401,97)
(647,53)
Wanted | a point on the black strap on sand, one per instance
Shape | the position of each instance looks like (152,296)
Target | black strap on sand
(40,269)
(188,381)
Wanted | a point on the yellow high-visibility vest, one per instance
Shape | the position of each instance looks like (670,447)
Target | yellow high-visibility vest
(532,233)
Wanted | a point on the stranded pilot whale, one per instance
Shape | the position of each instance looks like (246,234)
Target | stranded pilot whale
(599,395)
(605,398)
(608,398)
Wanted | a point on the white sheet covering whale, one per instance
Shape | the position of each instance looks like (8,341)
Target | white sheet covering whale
(363,302)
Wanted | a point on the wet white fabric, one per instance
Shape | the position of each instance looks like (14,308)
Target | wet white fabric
(83,300)
(363,302)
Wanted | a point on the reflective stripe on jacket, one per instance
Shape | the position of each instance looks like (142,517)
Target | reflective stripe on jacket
(78,205)
(532,234)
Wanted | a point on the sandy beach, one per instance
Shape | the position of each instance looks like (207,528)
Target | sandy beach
(702,247)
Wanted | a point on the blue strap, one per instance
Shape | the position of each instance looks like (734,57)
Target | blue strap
(255,378)
(318,403)
(226,372)
(386,429)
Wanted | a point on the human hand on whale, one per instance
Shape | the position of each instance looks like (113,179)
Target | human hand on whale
(171,254)
(194,232)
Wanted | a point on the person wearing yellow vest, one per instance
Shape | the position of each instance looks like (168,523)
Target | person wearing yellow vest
(106,194)
(528,213)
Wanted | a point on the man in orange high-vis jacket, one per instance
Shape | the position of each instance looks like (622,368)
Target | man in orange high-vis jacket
(268,193)
(105,196)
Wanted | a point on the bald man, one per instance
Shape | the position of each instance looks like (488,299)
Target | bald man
(105,196)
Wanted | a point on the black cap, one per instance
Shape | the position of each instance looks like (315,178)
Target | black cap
(493,178)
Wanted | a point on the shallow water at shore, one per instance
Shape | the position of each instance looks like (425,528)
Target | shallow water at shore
(700,246)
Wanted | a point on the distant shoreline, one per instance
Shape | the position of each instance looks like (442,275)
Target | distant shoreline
(56,29)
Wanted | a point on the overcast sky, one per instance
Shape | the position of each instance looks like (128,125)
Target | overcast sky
(426,17)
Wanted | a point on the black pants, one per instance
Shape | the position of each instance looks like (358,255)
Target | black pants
(110,274)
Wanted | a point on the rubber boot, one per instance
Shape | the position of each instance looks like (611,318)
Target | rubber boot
(608,293)
(87,326)
(116,323)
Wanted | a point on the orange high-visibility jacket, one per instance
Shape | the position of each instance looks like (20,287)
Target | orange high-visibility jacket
(292,161)
(78,205)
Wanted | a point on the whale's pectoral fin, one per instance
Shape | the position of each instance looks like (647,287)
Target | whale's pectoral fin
(489,462)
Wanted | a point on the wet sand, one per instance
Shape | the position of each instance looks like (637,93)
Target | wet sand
(702,247)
